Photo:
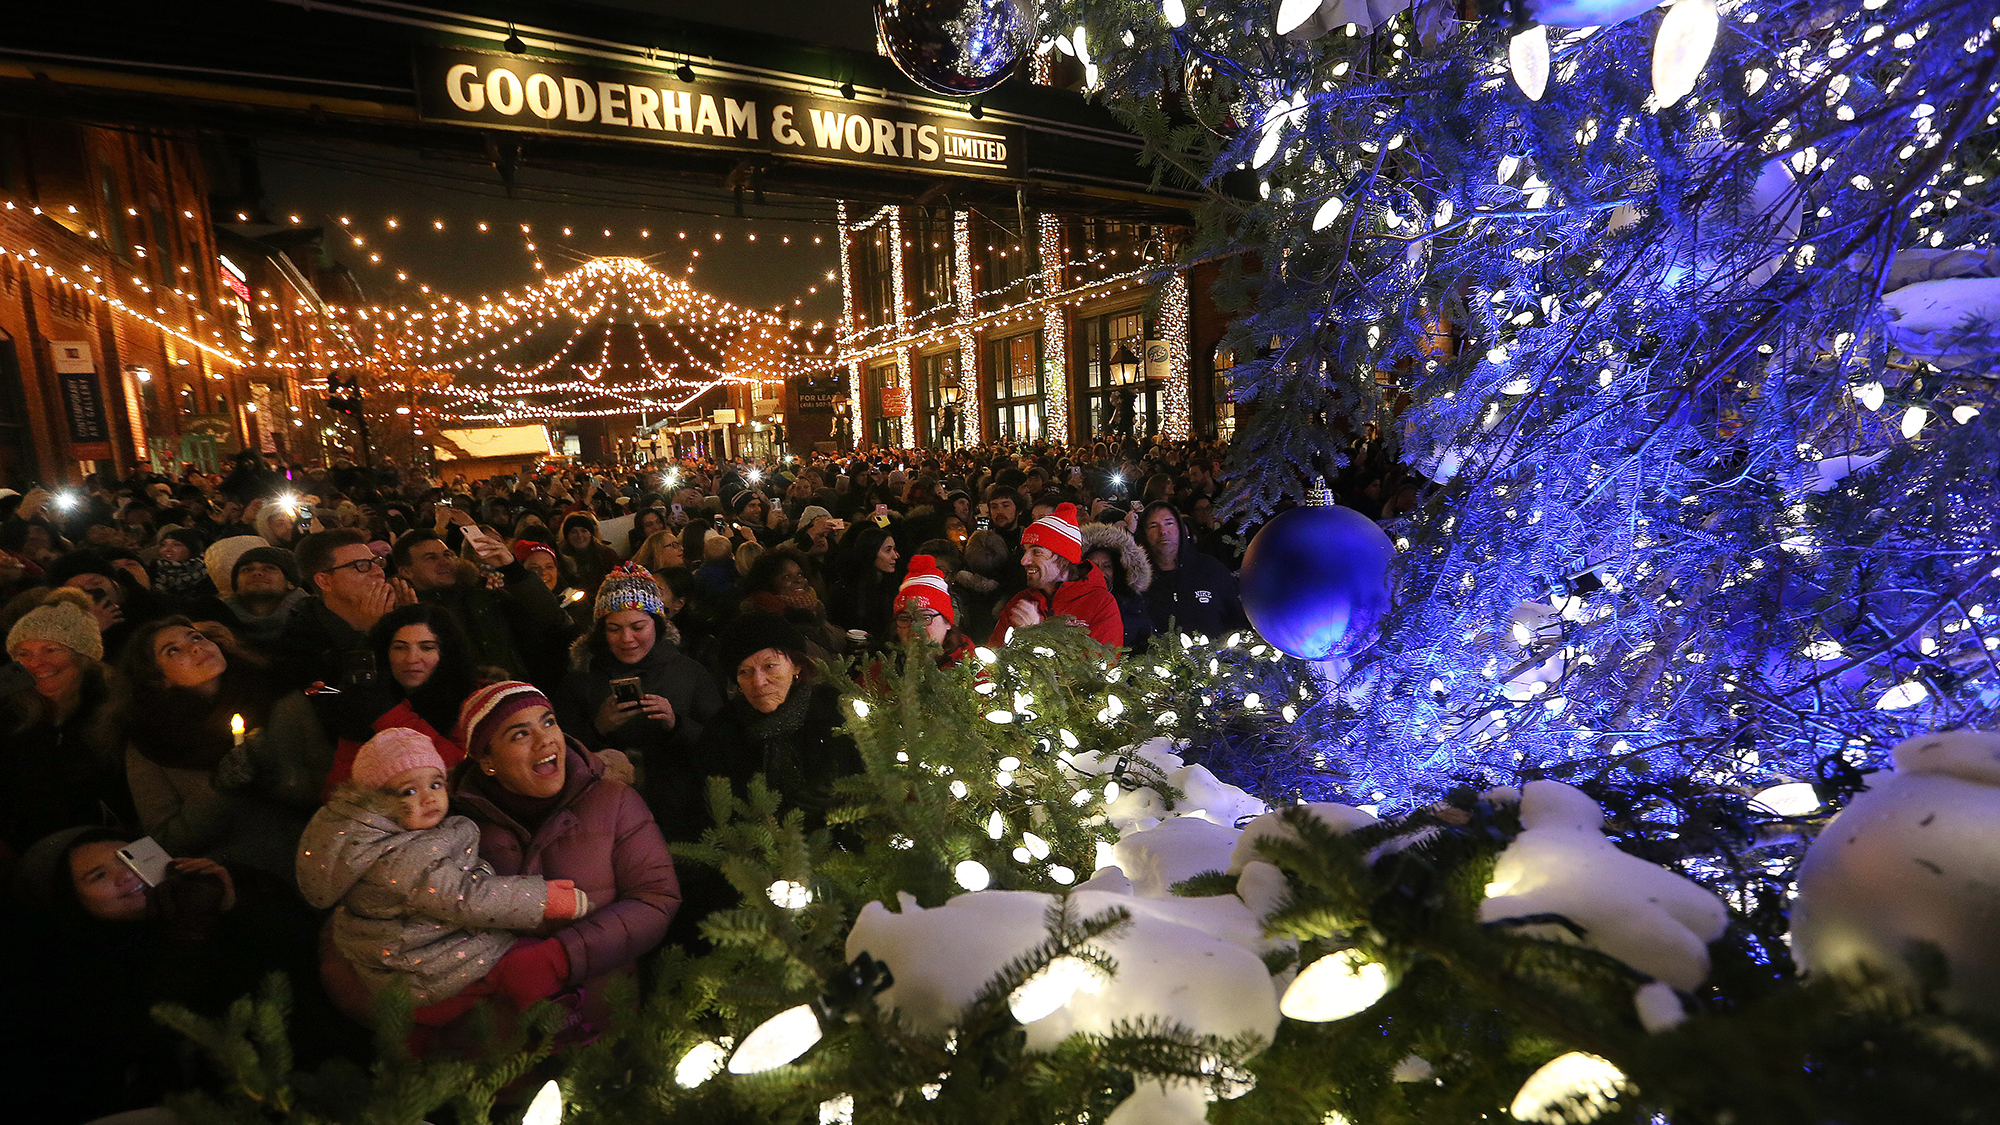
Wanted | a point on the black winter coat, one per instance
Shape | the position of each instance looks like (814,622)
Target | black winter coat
(673,777)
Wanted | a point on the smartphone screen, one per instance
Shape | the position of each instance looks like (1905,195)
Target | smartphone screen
(881,510)
(148,859)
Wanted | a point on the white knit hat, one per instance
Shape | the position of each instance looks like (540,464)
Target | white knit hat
(64,618)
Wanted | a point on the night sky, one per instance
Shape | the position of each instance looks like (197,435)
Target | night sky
(321,183)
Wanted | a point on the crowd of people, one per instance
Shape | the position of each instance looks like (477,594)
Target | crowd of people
(367,727)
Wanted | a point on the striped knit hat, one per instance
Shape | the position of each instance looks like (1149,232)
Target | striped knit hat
(1056,532)
(629,586)
(480,718)
(926,584)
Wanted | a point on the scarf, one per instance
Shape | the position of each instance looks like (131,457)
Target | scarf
(185,730)
(187,578)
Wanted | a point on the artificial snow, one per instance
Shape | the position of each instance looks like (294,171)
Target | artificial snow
(1654,920)
(1911,863)
(1952,322)
(1170,965)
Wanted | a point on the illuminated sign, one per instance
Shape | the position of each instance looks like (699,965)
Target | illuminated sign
(523,92)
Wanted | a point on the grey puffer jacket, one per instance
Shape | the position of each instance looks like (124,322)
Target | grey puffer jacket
(417,907)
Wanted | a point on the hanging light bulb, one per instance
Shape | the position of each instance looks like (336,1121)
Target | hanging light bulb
(1576,1087)
(1174,12)
(972,875)
(1328,212)
(1334,987)
(777,1041)
(1528,58)
(1682,47)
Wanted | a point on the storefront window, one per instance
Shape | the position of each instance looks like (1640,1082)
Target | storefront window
(1017,387)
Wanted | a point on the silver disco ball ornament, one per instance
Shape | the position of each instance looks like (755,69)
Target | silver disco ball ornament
(956,47)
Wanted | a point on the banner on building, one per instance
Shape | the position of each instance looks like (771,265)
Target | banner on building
(523,92)
(84,414)
(895,402)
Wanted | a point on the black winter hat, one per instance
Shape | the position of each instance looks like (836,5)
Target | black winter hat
(277,556)
(742,500)
(751,634)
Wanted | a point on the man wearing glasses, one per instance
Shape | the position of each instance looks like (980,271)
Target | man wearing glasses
(326,640)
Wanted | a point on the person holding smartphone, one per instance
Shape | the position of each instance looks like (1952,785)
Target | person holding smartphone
(630,689)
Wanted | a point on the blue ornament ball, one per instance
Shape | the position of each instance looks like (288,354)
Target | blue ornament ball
(1316,580)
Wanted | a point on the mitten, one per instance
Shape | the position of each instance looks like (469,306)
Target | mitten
(530,971)
(565,902)
(237,769)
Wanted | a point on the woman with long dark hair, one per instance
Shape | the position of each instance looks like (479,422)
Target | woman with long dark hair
(424,665)
(202,786)
(871,567)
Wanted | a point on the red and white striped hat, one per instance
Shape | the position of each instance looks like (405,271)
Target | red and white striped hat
(1057,532)
(926,584)
(484,710)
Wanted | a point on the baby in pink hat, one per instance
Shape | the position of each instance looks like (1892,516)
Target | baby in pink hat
(416,904)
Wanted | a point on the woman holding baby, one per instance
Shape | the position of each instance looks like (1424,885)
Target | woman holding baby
(571,868)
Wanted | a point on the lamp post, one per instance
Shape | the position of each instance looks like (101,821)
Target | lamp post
(952,420)
(1125,367)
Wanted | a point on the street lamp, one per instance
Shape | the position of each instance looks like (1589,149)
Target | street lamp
(1125,367)
(952,418)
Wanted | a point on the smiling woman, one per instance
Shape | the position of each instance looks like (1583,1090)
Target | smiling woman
(198,787)
(545,807)
(63,713)
(667,697)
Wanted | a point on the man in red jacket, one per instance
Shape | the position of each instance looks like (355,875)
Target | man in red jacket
(1060,583)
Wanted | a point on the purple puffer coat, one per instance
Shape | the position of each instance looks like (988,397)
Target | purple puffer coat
(602,838)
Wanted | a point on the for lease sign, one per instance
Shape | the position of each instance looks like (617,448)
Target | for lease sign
(524,92)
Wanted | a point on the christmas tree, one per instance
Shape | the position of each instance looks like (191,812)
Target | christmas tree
(1690,316)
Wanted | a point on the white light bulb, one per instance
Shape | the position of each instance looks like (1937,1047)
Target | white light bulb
(777,1041)
(789,895)
(1328,212)
(972,875)
(1037,847)
(1040,995)
(1681,48)
(1793,798)
(1576,1087)
(547,1108)
(1870,395)
(1909,693)
(1173,12)
(1528,58)
(1334,987)
(1964,414)
(1913,421)
(1292,13)
(1824,650)
(996,825)
(703,1061)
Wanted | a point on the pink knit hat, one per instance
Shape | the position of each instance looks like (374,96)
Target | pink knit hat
(392,752)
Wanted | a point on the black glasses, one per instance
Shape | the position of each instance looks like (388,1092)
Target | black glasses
(358,566)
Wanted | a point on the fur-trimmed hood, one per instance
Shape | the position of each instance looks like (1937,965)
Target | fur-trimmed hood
(1107,536)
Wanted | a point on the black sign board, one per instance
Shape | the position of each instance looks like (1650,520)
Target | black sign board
(524,92)
(815,396)
(82,395)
